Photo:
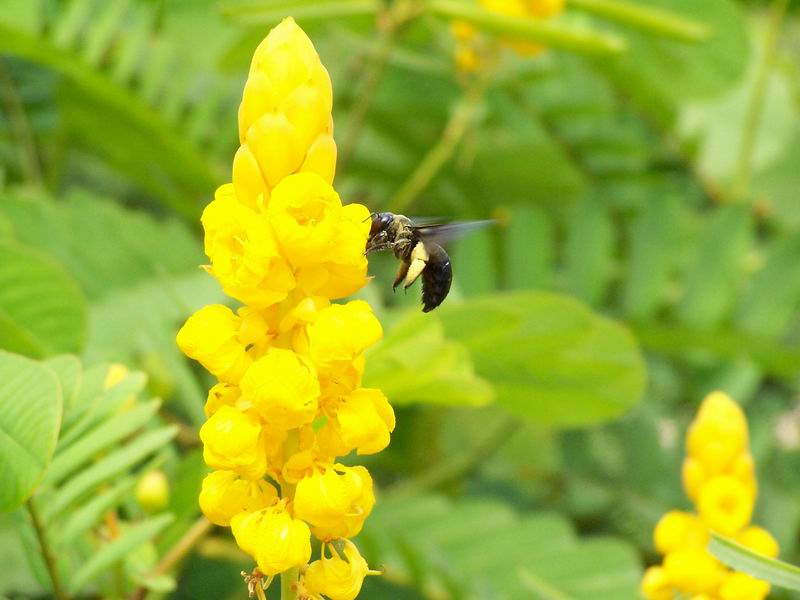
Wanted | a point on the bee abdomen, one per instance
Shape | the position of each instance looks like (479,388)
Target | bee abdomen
(436,278)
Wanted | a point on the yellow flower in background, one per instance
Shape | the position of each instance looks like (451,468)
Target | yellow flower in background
(719,476)
(224,495)
(337,578)
(289,364)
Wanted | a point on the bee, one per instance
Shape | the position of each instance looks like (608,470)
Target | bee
(419,250)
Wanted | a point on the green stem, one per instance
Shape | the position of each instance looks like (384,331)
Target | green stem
(456,467)
(755,105)
(47,552)
(288,579)
(20,126)
(437,157)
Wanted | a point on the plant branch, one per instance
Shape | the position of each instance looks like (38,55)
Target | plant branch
(455,467)
(178,552)
(47,551)
(755,104)
(438,155)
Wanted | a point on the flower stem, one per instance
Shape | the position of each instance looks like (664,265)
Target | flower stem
(288,579)
(47,551)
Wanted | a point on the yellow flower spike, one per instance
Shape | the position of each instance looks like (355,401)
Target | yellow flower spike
(209,336)
(655,585)
(725,504)
(283,388)
(693,571)
(283,542)
(234,441)
(739,586)
(366,419)
(335,501)
(244,253)
(321,158)
(336,578)
(224,495)
(677,530)
(224,394)
(759,540)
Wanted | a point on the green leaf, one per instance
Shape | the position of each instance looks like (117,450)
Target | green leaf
(714,275)
(270,12)
(590,251)
(114,463)
(69,372)
(42,311)
(757,565)
(548,357)
(415,363)
(477,548)
(30,414)
(92,513)
(135,535)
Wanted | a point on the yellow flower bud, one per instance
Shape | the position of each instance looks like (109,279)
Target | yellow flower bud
(248,182)
(759,540)
(718,434)
(225,394)
(693,571)
(694,477)
(224,495)
(283,388)
(234,441)
(655,585)
(725,504)
(341,332)
(336,578)
(209,337)
(740,586)
(677,530)
(245,527)
(152,491)
(366,419)
(116,373)
(282,543)
(285,114)
(335,501)
(244,253)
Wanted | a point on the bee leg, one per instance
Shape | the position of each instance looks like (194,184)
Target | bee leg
(419,260)
(400,274)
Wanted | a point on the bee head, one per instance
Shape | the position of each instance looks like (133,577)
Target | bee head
(380,222)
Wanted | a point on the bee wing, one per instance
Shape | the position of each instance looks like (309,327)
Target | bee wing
(442,233)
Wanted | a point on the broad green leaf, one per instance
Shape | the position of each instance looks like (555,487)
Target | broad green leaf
(415,363)
(42,311)
(69,372)
(757,565)
(548,357)
(776,187)
(30,414)
(135,535)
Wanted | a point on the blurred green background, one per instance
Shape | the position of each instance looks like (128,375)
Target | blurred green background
(647,251)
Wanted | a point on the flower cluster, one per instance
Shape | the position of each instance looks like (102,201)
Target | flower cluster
(471,49)
(719,478)
(289,363)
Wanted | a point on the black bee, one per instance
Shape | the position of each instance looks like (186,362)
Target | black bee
(418,249)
